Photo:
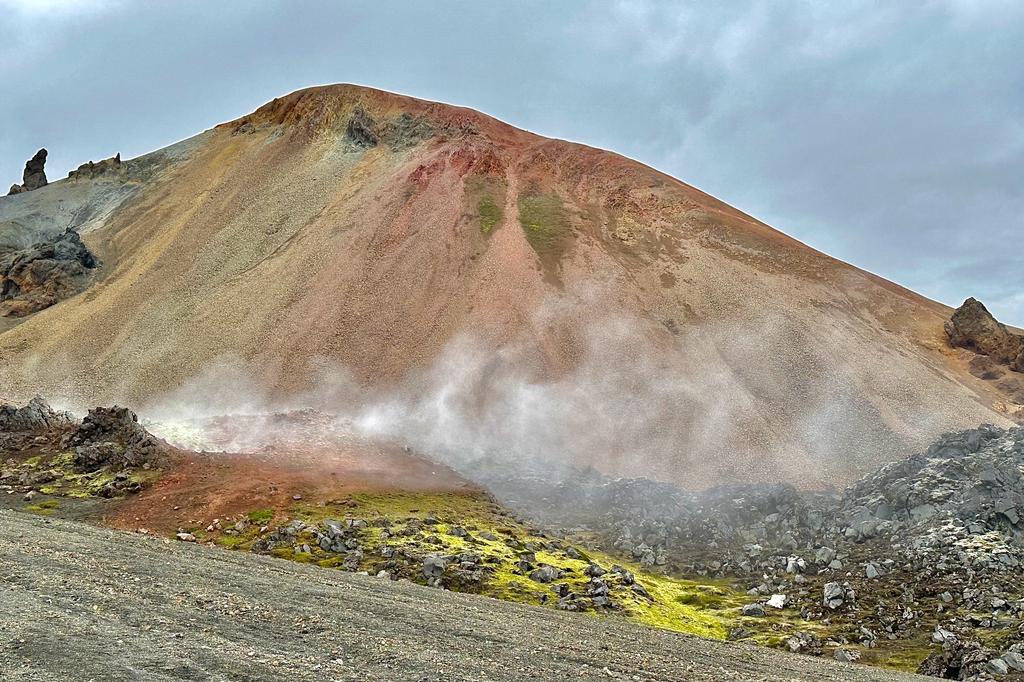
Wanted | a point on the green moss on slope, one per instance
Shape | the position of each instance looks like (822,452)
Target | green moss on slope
(490,214)
(545,222)
(417,524)
(484,197)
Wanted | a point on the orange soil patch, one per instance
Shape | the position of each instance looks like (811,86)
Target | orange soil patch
(319,467)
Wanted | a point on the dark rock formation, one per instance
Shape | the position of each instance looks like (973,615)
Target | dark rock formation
(35,441)
(362,129)
(37,277)
(92,169)
(407,131)
(36,415)
(958,661)
(973,327)
(33,177)
(941,532)
(970,480)
(113,435)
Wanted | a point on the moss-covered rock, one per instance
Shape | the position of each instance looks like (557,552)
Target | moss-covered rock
(484,550)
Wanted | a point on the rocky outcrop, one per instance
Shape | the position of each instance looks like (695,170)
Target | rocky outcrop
(960,660)
(92,169)
(362,129)
(34,177)
(36,415)
(113,435)
(37,277)
(51,453)
(973,327)
(937,538)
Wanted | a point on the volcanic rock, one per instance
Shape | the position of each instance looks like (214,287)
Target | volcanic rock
(1014,660)
(545,574)
(34,177)
(973,327)
(803,642)
(639,589)
(625,575)
(92,169)
(37,277)
(114,436)
(433,566)
(36,415)
(997,666)
(958,661)
(362,128)
(943,528)
(833,595)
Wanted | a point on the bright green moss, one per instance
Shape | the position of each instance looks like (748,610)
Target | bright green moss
(63,460)
(490,214)
(261,516)
(80,485)
(545,223)
(291,555)
(484,196)
(706,608)
(44,508)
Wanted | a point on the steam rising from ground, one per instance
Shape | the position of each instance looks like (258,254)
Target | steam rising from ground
(618,410)
(626,402)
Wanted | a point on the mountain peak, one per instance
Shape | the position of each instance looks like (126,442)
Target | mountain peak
(364,113)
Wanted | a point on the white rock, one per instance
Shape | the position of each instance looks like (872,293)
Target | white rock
(1014,660)
(997,666)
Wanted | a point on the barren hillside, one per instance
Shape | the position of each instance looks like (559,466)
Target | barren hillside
(478,279)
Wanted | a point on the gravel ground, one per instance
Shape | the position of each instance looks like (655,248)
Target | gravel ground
(79,602)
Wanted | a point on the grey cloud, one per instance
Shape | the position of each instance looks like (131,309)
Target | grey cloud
(891,136)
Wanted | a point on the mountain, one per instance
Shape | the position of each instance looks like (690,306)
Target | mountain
(482,291)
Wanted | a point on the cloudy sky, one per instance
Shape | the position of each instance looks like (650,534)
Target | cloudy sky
(890,135)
